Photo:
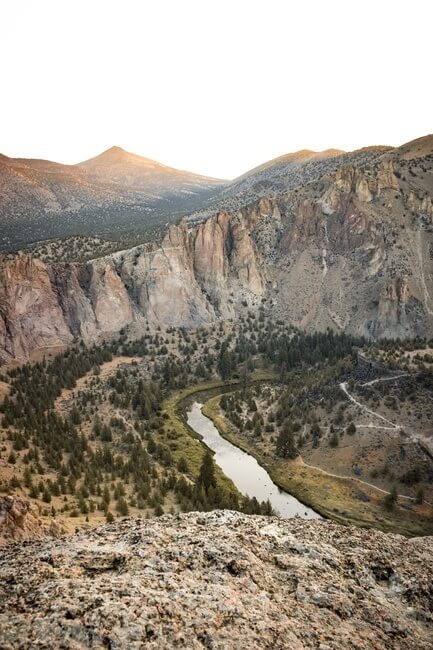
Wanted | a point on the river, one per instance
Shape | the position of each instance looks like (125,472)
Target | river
(245,472)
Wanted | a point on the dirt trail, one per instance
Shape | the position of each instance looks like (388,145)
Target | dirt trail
(375,381)
(393,427)
(354,478)
(343,387)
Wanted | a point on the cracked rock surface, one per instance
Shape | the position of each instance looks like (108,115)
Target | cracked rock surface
(218,580)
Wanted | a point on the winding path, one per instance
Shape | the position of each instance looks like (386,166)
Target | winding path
(393,427)
(343,387)
(375,381)
(358,480)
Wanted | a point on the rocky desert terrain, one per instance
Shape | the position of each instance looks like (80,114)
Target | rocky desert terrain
(218,580)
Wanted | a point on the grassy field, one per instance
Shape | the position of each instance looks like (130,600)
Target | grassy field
(341,499)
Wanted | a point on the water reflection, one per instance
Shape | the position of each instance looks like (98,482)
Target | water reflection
(248,476)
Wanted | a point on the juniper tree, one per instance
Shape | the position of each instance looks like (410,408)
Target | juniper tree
(206,476)
(286,446)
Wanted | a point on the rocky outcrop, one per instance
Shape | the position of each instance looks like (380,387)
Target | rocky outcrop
(20,521)
(423,205)
(162,282)
(190,279)
(367,184)
(109,297)
(225,261)
(398,310)
(70,281)
(219,580)
(31,316)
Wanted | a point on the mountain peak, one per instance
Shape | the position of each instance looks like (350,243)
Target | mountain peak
(116,164)
(112,155)
(114,151)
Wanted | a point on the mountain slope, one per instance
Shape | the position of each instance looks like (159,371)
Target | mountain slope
(116,193)
(128,170)
(295,158)
(294,170)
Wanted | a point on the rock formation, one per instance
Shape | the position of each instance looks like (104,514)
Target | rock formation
(219,580)
(350,250)
(20,521)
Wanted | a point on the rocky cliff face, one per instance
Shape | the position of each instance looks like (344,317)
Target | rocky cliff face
(20,521)
(190,279)
(352,250)
(219,580)
(31,313)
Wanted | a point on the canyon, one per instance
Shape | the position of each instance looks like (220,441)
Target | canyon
(350,249)
(216,327)
(345,246)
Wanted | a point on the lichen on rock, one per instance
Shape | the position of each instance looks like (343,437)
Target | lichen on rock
(219,580)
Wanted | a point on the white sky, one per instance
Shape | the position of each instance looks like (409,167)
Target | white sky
(212,86)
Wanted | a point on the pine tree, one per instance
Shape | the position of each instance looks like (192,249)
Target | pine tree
(286,446)
(182,465)
(75,415)
(334,440)
(351,429)
(419,499)
(207,472)
(46,496)
(122,507)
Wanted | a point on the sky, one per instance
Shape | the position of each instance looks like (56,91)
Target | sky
(212,86)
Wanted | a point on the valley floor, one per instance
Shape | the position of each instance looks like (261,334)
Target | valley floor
(358,439)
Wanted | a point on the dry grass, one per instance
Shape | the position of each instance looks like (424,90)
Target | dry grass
(333,497)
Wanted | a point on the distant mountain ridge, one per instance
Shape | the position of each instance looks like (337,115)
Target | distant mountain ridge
(114,194)
(115,165)
(295,157)
(127,197)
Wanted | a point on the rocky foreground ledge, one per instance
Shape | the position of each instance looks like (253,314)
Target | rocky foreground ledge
(218,580)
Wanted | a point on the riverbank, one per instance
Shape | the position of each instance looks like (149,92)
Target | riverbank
(340,499)
(186,443)
(249,477)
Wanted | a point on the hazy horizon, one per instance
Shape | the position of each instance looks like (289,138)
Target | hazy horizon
(215,88)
